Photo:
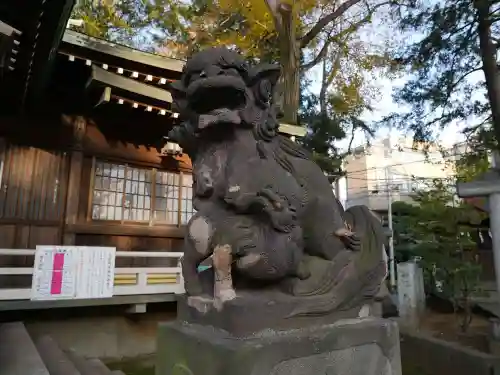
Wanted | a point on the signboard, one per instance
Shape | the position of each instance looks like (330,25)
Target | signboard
(73,272)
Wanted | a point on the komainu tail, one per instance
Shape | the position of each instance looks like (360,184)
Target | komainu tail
(360,280)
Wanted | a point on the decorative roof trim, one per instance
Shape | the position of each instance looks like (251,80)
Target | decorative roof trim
(123,52)
(127,84)
(119,70)
(9,46)
(8,30)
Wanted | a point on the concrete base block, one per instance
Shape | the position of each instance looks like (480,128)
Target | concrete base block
(367,346)
(494,346)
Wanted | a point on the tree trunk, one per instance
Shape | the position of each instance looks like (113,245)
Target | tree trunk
(322,92)
(290,60)
(290,87)
(488,56)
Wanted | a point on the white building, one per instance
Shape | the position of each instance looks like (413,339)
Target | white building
(395,164)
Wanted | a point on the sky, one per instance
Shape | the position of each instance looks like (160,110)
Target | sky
(385,105)
(377,34)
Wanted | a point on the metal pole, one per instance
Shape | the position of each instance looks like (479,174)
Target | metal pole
(494,200)
(337,188)
(392,265)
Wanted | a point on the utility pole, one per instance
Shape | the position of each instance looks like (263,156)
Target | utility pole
(392,265)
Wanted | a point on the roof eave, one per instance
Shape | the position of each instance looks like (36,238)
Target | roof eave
(43,61)
(122,52)
(103,77)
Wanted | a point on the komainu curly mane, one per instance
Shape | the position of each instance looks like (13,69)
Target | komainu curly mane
(282,147)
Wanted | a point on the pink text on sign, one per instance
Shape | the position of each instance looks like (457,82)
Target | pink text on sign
(57,273)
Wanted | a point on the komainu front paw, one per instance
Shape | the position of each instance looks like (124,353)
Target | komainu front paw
(202,303)
(223,296)
(353,242)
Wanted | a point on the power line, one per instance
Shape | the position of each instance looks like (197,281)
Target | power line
(395,165)
(396,180)
(398,147)
(404,163)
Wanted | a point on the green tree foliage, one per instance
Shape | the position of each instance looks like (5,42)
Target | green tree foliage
(404,236)
(345,93)
(135,23)
(436,227)
(107,21)
(472,163)
(449,58)
(278,30)
(323,131)
(437,231)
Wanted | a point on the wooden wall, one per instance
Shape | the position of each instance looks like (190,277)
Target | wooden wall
(33,189)
(45,192)
(32,196)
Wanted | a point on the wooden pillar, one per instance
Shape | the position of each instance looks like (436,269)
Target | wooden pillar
(79,126)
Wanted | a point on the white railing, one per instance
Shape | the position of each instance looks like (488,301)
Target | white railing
(128,280)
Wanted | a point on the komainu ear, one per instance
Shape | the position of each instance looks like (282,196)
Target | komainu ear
(176,88)
(269,72)
(263,78)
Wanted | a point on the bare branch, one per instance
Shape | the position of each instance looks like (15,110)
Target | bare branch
(324,21)
(343,8)
(322,92)
(462,78)
(334,70)
(339,37)
(320,56)
(349,148)
(274,6)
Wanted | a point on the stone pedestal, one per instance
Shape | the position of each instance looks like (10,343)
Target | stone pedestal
(368,346)
(253,312)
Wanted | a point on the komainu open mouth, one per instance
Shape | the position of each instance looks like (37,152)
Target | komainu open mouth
(217,101)
(210,100)
(220,92)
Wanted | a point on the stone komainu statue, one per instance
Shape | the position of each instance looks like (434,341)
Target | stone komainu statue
(266,213)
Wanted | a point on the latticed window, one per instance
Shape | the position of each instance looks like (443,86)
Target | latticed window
(167,197)
(125,193)
(186,207)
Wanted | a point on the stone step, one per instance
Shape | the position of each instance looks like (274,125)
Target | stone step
(80,363)
(488,285)
(86,366)
(99,367)
(486,296)
(18,353)
(56,361)
(69,361)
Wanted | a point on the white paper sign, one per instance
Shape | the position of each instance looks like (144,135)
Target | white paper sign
(73,272)
(54,274)
(96,272)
